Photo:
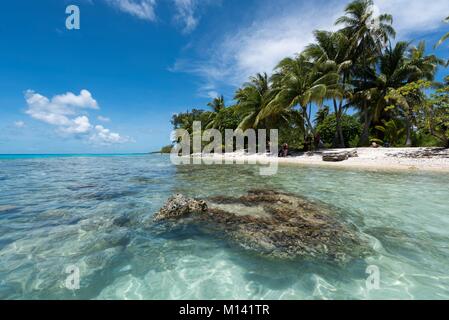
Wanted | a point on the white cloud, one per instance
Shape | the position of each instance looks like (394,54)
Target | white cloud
(19,124)
(57,110)
(103,119)
(62,111)
(105,136)
(277,33)
(212,94)
(260,45)
(78,125)
(142,9)
(415,16)
(83,100)
(185,13)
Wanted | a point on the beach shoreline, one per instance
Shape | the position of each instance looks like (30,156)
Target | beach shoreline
(405,159)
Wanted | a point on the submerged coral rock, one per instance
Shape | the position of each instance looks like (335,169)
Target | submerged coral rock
(178,206)
(273,224)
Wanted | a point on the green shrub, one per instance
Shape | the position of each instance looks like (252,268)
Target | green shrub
(350,126)
(426,140)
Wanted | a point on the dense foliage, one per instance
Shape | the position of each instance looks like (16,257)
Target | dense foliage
(350,127)
(375,88)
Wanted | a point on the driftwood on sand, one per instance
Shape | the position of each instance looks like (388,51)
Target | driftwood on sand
(272,224)
(339,155)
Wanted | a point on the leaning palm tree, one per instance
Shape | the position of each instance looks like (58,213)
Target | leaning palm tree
(300,82)
(445,37)
(251,99)
(369,35)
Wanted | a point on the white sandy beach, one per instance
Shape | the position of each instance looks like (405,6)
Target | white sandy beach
(419,159)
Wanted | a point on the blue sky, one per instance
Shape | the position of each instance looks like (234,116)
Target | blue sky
(113,85)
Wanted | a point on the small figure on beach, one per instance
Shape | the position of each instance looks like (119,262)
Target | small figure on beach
(284,151)
(374,144)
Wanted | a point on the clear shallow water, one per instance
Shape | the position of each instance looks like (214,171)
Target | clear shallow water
(61,211)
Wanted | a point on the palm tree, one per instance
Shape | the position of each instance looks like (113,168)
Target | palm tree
(419,67)
(321,115)
(368,35)
(397,66)
(217,104)
(392,129)
(300,82)
(422,66)
(445,37)
(332,49)
(367,31)
(252,99)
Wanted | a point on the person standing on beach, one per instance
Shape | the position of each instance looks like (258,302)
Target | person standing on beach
(284,150)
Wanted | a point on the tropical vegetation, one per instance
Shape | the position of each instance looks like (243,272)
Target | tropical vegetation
(445,37)
(348,88)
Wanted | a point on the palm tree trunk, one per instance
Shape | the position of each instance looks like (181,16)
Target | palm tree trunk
(364,139)
(342,138)
(339,138)
(339,116)
(408,123)
(312,130)
(337,134)
(307,125)
(304,111)
(408,140)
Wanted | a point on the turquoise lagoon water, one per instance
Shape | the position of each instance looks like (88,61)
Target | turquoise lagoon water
(93,212)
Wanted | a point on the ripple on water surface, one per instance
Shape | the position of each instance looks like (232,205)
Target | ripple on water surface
(94,213)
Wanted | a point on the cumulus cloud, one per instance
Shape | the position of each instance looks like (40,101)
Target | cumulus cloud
(56,111)
(105,136)
(78,125)
(83,100)
(63,112)
(142,9)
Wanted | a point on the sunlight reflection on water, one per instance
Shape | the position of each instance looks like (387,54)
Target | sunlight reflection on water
(93,212)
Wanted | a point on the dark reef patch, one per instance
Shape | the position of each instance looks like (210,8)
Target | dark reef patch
(273,224)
